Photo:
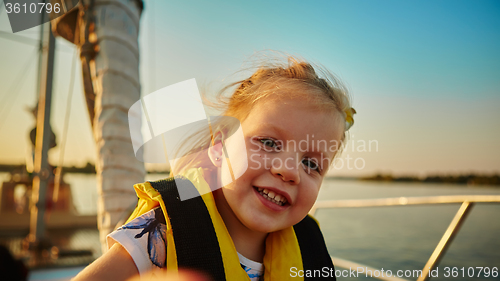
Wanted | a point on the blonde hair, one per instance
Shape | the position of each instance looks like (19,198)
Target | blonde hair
(324,90)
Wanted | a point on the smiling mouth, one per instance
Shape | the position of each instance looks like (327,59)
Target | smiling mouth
(271,196)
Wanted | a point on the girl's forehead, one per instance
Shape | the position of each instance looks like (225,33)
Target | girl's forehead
(292,103)
(295,118)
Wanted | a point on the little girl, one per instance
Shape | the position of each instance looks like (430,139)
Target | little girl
(255,227)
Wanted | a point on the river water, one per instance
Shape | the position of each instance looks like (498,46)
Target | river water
(403,237)
(390,238)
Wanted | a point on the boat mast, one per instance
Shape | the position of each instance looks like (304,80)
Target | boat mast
(42,172)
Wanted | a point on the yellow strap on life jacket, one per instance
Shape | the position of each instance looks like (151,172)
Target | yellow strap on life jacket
(149,199)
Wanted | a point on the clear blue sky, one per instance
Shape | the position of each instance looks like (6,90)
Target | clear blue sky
(424,75)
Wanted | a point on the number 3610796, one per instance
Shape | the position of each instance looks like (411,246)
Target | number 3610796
(32,8)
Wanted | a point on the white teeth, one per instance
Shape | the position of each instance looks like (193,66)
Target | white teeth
(271,196)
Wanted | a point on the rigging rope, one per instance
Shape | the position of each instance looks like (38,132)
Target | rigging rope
(63,47)
(57,179)
(19,39)
(15,88)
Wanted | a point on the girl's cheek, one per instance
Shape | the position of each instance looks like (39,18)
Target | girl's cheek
(255,161)
(310,194)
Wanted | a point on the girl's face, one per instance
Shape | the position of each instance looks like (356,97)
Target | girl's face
(290,144)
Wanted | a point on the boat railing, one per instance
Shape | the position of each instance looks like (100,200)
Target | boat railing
(466,201)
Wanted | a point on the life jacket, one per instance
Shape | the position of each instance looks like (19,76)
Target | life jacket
(196,236)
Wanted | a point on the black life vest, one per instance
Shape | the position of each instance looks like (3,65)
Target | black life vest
(201,241)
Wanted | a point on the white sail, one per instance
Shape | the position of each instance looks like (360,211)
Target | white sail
(106,32)
(115,77)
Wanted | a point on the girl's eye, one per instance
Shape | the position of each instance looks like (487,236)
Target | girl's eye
(310,164)
(270,143)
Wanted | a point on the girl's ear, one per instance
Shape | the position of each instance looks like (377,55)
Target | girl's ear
(215,152)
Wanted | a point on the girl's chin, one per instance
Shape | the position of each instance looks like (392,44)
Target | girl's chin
(260,224)
(263,230)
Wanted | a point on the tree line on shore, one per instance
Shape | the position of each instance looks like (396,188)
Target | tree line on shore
(87,169)
(468,179)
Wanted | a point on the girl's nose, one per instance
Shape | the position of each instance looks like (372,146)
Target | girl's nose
(287,169)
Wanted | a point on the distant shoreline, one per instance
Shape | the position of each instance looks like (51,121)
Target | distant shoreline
(87,169)
(461,179)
